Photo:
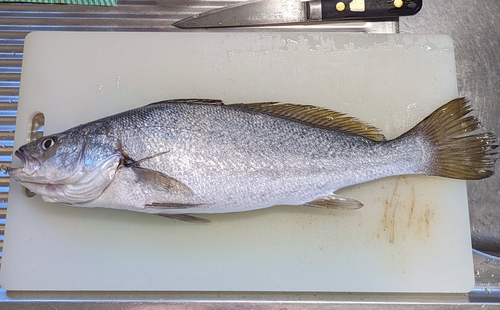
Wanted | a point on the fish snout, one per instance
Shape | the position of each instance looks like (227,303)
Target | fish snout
(30,163)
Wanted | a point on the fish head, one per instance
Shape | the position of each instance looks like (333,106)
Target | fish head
(70,167)
(47,159)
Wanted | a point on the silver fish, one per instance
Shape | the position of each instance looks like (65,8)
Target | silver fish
(190,156)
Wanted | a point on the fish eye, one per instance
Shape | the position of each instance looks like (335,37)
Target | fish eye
(48,143)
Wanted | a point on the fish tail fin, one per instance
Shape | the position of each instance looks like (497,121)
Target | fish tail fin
(453,153)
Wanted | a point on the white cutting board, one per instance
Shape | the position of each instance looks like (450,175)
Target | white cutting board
(411,236)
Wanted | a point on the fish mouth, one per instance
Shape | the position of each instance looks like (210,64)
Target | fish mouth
(30,164)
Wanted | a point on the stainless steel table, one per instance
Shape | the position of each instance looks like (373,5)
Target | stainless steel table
(475,28)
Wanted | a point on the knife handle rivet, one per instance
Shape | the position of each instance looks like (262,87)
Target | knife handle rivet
(398,3)
(340,6)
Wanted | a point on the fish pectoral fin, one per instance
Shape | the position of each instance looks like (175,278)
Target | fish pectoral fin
(185,218)
(161,181)
(335,202)
(172,205)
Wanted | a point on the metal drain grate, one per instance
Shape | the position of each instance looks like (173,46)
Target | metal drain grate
(11,53)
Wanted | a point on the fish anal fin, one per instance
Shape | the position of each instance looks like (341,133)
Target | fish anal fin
(161,181)
(335,202)
(316,117)
(185,218)
(191,101)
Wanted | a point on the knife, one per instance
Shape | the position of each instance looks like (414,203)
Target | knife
(269,12)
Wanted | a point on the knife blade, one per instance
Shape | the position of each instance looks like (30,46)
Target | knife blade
(272,12)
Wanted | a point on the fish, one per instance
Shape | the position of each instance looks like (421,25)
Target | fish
(183,157)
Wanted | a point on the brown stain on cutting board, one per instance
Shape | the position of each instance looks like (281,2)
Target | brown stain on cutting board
(404,215)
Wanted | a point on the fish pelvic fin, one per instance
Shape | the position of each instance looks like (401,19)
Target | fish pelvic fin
(314,116)
(335,202)
(185,218)
(455,154)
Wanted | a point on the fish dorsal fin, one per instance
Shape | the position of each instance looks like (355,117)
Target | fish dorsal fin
(191,101)
(315,116)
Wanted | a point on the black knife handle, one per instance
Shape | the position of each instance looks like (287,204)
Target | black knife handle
(368,9)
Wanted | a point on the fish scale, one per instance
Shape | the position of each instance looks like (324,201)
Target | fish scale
(276,146)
